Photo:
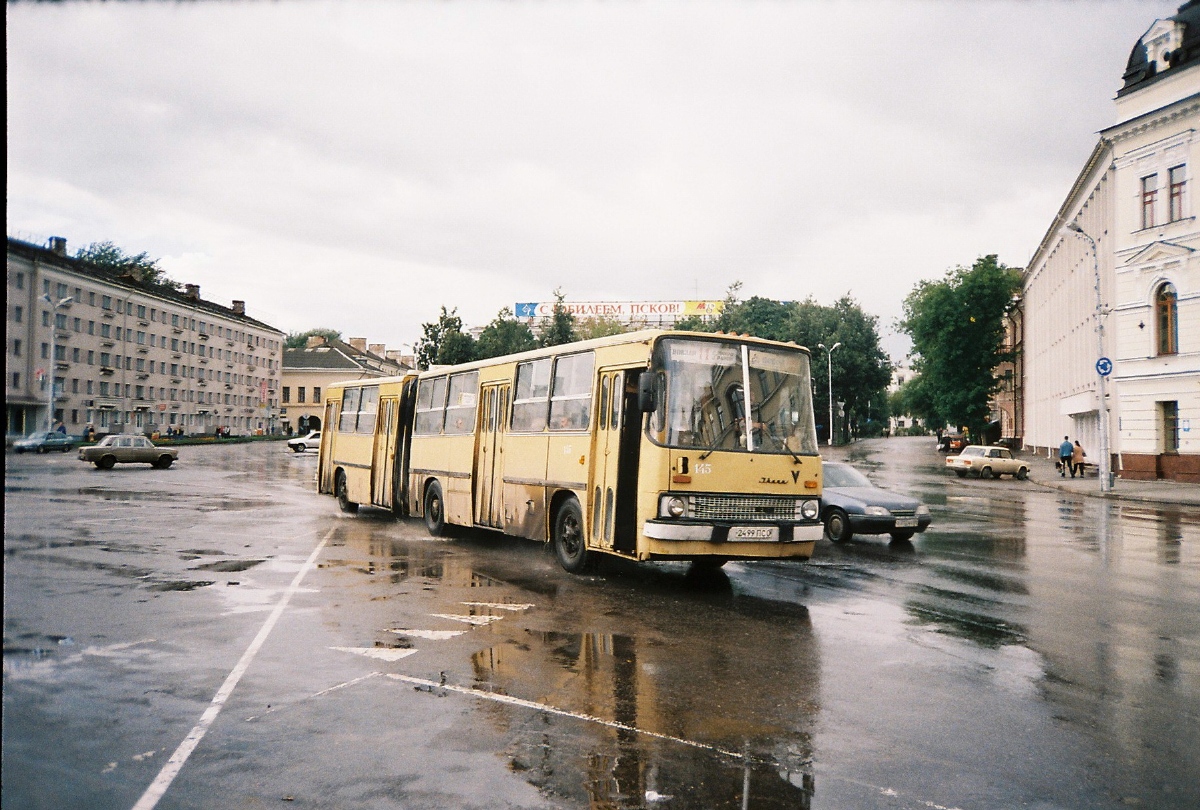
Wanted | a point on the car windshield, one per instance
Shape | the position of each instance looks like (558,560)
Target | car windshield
(841,475)
(701,391)
(108,441)
(37,437)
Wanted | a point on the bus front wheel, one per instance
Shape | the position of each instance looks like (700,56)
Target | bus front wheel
(435,510)
(343,495)
(569,543)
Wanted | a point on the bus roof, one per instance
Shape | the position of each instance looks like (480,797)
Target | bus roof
(647,336)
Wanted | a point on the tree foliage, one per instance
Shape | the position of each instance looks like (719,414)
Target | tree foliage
(957,328)
(108,256)
(861,368)
(561,328)
(504,335)
(597,327)
(298,340)
(443,342)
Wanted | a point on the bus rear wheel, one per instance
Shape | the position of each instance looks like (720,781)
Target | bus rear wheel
(435,510)
(343,495)
(569,544)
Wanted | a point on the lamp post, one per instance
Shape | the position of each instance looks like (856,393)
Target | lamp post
(829,362)
(54,307)
(1102,408)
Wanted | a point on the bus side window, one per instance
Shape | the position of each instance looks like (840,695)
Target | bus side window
(531,400)
(431,406)
(350,400)
(460,410)
(571,399)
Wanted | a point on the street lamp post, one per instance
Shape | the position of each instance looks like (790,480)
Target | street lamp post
(829,362)
(54,307)
(1102,408)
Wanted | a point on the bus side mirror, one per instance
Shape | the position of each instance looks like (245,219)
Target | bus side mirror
(646,394)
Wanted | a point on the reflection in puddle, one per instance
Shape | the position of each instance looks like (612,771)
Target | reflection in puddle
(646,719)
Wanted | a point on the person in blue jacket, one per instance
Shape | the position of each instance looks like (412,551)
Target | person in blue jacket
(1065,450)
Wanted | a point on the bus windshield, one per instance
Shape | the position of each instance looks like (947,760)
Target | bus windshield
(702,397)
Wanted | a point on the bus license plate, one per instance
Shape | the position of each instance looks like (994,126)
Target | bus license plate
(906,523)
(754,533)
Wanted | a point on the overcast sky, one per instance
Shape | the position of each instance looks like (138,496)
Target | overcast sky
(356,165)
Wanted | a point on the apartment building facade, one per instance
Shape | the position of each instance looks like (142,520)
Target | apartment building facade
(125,355)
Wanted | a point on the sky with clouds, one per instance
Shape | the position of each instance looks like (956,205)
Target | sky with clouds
(357,165)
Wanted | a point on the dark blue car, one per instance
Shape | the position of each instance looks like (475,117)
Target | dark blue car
(851,504)
(45,441)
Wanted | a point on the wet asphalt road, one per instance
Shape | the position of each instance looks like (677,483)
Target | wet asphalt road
(1033,649)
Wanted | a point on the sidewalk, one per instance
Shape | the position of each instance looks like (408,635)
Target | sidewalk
(1042,472)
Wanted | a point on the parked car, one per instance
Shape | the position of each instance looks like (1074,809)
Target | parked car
(986,462)
(310,442)
(952,442)
(44,442)
(851,504)
(123,449)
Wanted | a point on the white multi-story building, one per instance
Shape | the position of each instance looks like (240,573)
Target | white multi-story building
(1132,268)
(129,356)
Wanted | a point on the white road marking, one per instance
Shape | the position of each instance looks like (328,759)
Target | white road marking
(499,605)
(167,775)
(272,710)
(432,635)
(382,653)
(542,707)
(467,619)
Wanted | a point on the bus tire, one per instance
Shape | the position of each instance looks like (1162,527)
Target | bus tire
(435,510)
(570,545)
(343,496)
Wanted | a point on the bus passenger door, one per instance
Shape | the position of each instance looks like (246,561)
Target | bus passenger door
(328,436)
(489,451)
(605,486)
(383,455)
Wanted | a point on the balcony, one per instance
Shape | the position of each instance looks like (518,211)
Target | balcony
(204,335)
(143,376)
(107,342)
(107,369)
(62,365)
(204,360)
(142,350)
(108,313)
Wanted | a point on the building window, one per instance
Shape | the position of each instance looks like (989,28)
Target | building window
(1166,315)
(16,379)
(1149,196)
(1169,412)
(18,314)
(287,394)
(20,281)
(299,393)
(316,395)
(1178,182)
(16,348)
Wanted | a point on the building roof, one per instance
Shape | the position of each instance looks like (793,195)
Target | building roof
(45,256)
(335,355)
(1167,46)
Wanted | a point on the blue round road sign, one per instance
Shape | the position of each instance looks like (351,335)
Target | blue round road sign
(1104,366)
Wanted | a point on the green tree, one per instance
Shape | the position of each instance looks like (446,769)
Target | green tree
(504,335)
(957,328)
(599,327)
(444,342)
(298,340)
(108,256)
(561,328)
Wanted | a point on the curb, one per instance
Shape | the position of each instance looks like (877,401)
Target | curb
(1112,496)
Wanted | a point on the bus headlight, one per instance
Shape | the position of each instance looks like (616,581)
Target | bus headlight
(672,506)
(809,510)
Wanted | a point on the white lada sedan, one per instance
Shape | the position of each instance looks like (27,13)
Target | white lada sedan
(987,462)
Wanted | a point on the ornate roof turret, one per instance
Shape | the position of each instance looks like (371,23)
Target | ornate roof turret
(1169,45)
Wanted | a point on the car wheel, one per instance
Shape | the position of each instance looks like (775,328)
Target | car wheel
(20,450)
(837,526)
(986,472)
(1022,474)
(961,473)
(299,448)
(163,462)
(343,495)
(43,450)
(106,462)
(435,510)
(901,536)
(569,543)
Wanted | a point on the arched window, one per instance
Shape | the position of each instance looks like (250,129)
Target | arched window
(1166,316)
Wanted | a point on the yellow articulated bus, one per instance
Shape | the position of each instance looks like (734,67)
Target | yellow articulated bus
(649,445)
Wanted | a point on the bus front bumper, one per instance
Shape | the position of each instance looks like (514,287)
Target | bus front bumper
(708,533)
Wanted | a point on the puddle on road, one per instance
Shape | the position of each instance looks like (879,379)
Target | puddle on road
(182,585)
(228,566)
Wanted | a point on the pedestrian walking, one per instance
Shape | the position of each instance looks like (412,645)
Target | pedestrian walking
(1065,451)
(1077,456)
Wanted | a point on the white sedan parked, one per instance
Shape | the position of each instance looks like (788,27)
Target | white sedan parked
(986,462)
